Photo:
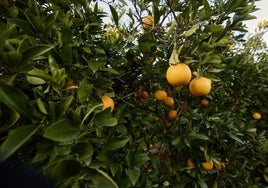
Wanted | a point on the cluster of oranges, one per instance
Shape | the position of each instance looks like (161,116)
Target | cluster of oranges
(208,165)
(180,74)
(162,95)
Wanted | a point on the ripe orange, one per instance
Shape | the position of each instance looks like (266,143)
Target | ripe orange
(200,86)
(208,165)
(204,103)
(168,101)
(148,22)
(178,74)
(190,163)
(256,115)
(107,103)
(172,114)
(160,95)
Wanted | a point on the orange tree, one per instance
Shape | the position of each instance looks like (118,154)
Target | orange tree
(77,95)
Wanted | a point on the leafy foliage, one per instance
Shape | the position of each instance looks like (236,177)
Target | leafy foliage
(59,57)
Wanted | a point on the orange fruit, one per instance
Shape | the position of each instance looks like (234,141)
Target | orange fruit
(200,86)
(256,115)
(208,165)
(107,103)
(160,95)
(204,102)
(148,22)
(178,74)
(168,101)
(190,163)
(172,114)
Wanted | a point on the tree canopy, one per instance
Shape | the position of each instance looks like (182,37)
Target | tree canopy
(78,95)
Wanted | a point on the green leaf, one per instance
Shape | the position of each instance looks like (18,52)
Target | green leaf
(140,159)
(4,35)
(35,51)
(114,14)
(108,122)
(83,149)
(64,105)
(117,143)
(202,183)
(84,91)
(114,167)
(51,19)
(16,138)
(64,169)
(24,25)
(61,131)
(41,74)
(11,117)
(212,58)
(133,175)
(35,80)
(12,60)
(15,99)
(223,42)
(105,181)
(96,65)
(191,31)
(53,66)
(207,8)
(201,137)
(62,149)
(41,106)
(214,28)
(235,137)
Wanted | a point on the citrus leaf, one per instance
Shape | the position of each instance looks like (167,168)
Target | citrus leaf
(114,14)
(83,149)
(63,105)
(24,25)
(16,138)
(133,175)
(115,144)
(62,169)
(35,80)
(35,51)
(61,131)
(107,177)
(202,137)
(15,99)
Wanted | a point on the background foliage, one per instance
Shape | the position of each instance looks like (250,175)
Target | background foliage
(58,57)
